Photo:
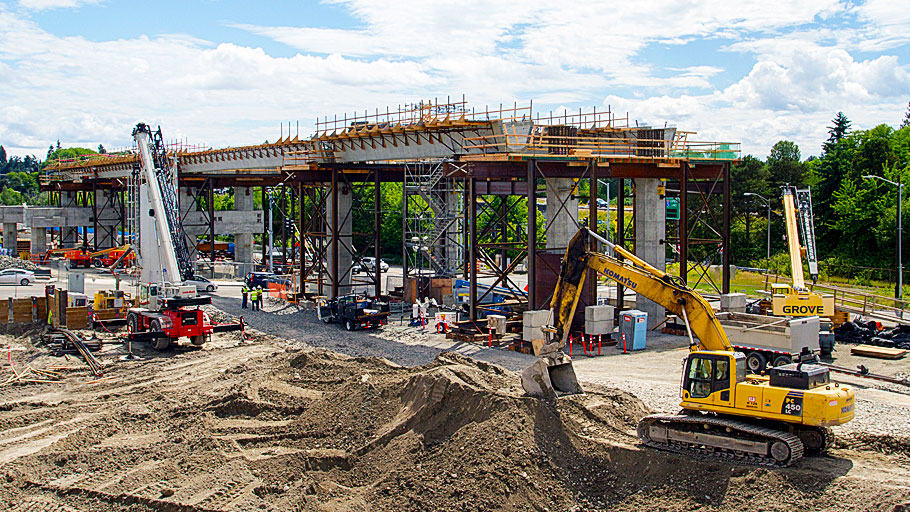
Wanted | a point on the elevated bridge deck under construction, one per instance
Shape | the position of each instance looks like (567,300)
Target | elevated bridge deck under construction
(464,174)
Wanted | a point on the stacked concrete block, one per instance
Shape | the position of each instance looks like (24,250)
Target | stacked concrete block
(496,324)
(532,324)
(598,320)
(733,302)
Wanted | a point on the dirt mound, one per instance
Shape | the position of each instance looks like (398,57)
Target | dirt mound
(310,429)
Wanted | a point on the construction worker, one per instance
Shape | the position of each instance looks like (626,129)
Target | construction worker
(254,298)
(244,292)
(260,297)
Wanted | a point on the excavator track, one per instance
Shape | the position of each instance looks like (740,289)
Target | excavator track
(719,438)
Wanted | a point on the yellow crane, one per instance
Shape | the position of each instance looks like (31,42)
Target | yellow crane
(762,419)
(796,299)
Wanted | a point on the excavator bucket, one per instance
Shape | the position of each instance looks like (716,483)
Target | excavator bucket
(551,376)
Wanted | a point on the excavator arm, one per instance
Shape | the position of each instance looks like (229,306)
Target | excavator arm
(644,279)
(553,375)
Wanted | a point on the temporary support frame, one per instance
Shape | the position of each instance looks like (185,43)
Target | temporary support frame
(433,219)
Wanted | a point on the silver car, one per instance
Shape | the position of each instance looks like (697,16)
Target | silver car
(202,284)
(17,276)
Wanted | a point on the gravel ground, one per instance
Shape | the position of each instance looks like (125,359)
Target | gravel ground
(882,409)
(396,342)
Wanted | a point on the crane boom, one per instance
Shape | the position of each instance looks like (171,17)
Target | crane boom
(164,256)
(796,259)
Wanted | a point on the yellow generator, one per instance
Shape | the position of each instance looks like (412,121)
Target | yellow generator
(111,306)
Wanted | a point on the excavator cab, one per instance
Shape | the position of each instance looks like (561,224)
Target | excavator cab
(711,376)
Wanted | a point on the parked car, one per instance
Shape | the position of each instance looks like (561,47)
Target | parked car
(601,203)
(17,276)
(203,284)
(255,279)
(369,264)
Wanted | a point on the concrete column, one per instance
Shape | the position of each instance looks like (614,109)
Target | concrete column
(10,236)
(561,220)
(39,240)
(243,242)
(650,232)
(345,223)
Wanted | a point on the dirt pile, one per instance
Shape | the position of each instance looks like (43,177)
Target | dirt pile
(261,427)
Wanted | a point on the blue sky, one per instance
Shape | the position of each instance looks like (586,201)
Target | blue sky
(230,73)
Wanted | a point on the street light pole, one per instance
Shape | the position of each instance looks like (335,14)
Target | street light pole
(899,287)
(900,257)
(767,202)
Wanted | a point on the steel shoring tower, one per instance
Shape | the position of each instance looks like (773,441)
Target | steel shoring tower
(434,220)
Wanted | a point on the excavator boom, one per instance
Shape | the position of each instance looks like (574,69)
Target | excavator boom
(641,277)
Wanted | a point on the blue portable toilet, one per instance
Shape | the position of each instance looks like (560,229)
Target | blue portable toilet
(633,324)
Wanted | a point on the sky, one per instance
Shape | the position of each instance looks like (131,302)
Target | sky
(226,73)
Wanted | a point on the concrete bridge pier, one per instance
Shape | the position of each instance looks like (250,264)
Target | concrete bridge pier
(650,232)
(562,212)
(39,240)
(69,235)
(10,235)
(243,242)
(339,213)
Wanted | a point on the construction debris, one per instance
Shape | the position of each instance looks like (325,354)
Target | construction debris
(11,262)
(872,333)
(64,341)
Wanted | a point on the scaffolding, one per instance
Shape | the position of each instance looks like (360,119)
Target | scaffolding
(433,221)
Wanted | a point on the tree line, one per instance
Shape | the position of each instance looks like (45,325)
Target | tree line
(855,216)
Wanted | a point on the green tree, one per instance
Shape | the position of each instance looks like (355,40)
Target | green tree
(101,150)
(784,166)
(10,197)
(750,175)
(21,182)
(906,122)
(2,158)
(66,154)
(838,131)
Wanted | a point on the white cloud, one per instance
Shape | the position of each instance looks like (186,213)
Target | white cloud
(802,70)
(40,5)
(792,92)
(890,21)
(810,78)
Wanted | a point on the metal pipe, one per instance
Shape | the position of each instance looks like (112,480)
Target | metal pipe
(684,224)
(725,259)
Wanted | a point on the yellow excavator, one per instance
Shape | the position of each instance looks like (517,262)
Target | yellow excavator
(726,413)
